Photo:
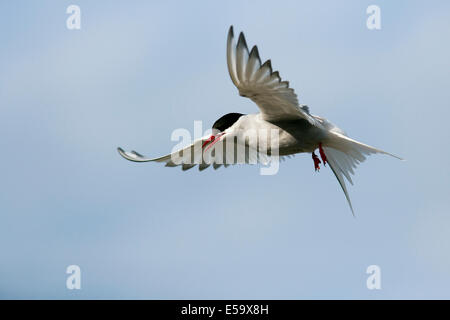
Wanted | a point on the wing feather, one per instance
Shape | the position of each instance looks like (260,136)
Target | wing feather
(254,63)
(241,58)
(194,154)
(259,83)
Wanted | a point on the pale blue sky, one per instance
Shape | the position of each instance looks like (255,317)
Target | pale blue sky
(137,70)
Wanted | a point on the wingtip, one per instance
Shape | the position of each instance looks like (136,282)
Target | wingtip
(255,52)
(277,74)
(241,40)
(268,64)
(230,33)
(399,158)
(122,153)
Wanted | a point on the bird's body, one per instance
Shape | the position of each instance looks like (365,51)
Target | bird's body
(297,130)
(294,136)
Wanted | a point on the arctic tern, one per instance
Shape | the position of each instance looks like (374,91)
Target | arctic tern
(299,131)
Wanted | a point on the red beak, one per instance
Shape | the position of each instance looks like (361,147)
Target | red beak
(212,140)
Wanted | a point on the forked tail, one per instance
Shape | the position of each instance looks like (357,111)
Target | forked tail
(344,154)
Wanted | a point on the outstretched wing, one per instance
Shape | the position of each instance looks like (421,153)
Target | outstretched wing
(225,152)
(259,83)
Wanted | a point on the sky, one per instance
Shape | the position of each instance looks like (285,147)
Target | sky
(137,70)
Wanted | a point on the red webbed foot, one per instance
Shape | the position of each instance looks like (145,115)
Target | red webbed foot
(322,154)
(316,161)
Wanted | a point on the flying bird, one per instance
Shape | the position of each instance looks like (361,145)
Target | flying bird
(299,131)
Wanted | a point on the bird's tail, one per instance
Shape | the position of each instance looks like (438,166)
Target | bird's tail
(344,154)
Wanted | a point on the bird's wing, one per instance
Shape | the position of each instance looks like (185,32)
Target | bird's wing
(225,152)
(259,83)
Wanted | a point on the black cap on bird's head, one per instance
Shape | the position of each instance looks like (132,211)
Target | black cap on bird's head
(226,121)
(222,124)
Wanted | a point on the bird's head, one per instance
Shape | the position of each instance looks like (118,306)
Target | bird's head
(226,121)
(219,127)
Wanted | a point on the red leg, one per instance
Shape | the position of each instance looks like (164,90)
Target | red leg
(316,161)
(322,154)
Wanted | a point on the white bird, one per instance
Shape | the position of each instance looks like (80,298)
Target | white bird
(298,130)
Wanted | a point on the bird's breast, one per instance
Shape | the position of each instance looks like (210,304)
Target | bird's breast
(289,137)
